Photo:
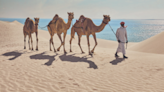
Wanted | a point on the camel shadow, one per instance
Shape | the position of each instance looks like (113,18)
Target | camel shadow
(117,60)
(42,56)
(13,53)
(72,58)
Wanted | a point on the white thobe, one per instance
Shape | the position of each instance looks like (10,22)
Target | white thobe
(121,35)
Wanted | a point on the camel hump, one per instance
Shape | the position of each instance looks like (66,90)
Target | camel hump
(60,19)
(55,17)
(27,20)
(31,24)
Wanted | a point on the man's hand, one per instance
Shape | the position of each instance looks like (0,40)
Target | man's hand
(127,41)
(119,41)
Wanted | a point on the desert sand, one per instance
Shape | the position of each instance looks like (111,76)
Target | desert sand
(23,70)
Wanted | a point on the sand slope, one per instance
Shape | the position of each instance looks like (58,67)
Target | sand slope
(45,71)
(154,44)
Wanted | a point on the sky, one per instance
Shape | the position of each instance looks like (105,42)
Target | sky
(94,9)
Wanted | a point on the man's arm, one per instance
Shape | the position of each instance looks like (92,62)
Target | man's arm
(117,34)
(126,36)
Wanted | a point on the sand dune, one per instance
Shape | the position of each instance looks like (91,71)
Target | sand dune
(154,44)
(45,71)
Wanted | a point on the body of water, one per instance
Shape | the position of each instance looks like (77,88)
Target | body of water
(137,30)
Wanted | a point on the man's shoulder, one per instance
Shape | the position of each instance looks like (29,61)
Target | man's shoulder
(118,28)
(122,28)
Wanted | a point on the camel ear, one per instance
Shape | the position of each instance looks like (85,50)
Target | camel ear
(68,12)
(104,15)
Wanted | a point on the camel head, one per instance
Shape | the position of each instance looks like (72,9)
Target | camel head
(70,15)
(36,20)
(106,19)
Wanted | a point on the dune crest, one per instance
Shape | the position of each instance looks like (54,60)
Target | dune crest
(16,22)
(7,23)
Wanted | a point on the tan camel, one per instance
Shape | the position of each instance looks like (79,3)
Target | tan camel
(57,25)
(85,26)
(29,28)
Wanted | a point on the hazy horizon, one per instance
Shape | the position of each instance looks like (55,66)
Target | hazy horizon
(94,9)
(77,18)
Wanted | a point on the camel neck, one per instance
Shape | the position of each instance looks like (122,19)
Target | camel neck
(36,27)
(100,28)
(68,23)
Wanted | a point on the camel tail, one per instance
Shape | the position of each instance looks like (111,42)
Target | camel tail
(49,30)
(72,32)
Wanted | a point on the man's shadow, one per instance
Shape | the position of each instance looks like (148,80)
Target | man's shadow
(16,54)
(72,58)
(42,56)
(117,60)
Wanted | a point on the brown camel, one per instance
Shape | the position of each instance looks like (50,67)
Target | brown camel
(58,25)
(85,26)
(29,28)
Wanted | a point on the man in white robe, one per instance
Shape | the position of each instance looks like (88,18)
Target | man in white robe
(121,36)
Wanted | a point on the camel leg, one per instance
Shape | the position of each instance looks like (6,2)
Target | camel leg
(36,40)
(31,42)
(24,41)
(59,35)
(52,43)
(79,36)
(64,42)
(94,36)
(88,45)
(70,44)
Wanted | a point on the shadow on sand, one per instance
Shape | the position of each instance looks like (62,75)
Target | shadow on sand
(42,56)
(64,57)
(117,60)
(16,54)
(72,58)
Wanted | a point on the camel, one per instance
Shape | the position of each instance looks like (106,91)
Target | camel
(85,26)
(58,26)
(29,28)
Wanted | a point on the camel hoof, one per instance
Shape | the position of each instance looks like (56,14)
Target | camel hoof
(24,47)
(32,49)
(65,52)
(36,49)
(70,50)
(50,50)
(90,53)
(58,49)
(54,50)
(83,52)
